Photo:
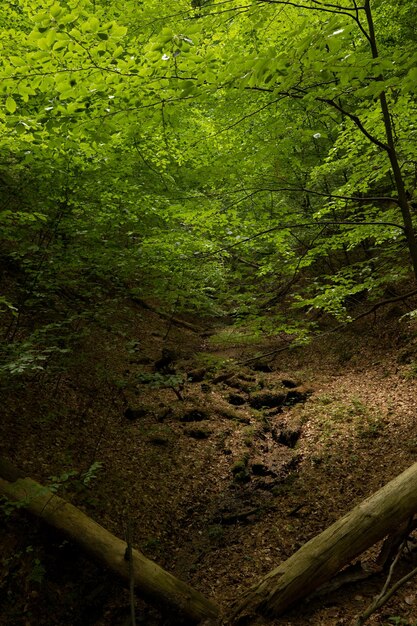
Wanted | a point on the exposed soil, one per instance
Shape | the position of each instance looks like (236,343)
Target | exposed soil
(221,480)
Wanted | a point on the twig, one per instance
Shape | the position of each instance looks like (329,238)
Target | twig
(128,557)
(177,393)
(351,574)
(172,317)
(385,593)
(382,600)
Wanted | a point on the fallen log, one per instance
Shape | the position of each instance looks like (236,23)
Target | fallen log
(151,581)
(324,555)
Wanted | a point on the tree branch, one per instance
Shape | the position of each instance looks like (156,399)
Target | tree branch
(327,8)
(334,330)
(355,119)
(376,306)
(205,255)
(330,195)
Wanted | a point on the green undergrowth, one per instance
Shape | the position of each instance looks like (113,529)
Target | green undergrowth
(234,337)
(334,416)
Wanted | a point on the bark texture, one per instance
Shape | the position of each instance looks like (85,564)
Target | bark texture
(151,581)
(323,556)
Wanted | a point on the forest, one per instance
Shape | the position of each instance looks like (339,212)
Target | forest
(208,312)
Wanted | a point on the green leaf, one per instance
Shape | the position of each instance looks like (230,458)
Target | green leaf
(56,10)
(10,105)
(94,24)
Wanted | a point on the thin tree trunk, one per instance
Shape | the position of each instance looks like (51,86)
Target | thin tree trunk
(392,153)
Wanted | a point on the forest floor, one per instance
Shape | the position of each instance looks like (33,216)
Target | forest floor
(221,485)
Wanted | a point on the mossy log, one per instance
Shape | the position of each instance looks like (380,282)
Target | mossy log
(324,555)
(151,581)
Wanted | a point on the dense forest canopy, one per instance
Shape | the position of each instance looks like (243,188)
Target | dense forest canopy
(222,157)
(186,192)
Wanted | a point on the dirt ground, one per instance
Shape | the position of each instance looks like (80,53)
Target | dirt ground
(221,478)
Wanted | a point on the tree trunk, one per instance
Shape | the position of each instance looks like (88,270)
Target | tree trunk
(151,581)
(323,556)
(392,152)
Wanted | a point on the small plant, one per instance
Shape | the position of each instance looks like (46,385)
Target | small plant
(324,399)
(248,433)
(239,466)
(410,372)
(359,406)
(371,426)
(31,563)
(10,506)
(398,621)
(79,480)
(91,473)
(214,363)
(156,380)
(234,338)
(59,481)
(37,573)
(216,533)
(240,470)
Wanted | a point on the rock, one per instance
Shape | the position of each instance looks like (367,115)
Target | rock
(267,399)
(198,433)
(229,414)
(194,415)
(266,483)
(239,466)
(248,378)
(259,467)
(289,383)
(292,463)
(143,360)
(164,364)
(164,413)
(261,366)
(236,399)
(240,471)
(270,470)
(294,396)
(239,384)
(134,414)
(274,412)
(159,440)
(196,376)
(289,436)
(242,477)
